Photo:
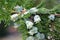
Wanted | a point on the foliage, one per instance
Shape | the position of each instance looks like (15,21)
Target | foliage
(6,7)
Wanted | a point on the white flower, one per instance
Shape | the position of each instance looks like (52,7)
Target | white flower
(51,29)
(14,17)
(29,24)
(51,17)
(37,18)
(18,8)
(49,37)
(30,38)
(33,10)
(33,31)
(40,36)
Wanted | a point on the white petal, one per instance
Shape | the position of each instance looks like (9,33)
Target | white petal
(37,18)
(30,38)
(40,36)
(33,31)
(51,17)
(33,10)
(18,8)
(14,17)
(29,24)
(49,37)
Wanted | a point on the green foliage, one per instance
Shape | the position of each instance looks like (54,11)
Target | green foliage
(41,4)
(26,3)
(4,15)
(23,29)
(27,16)
(57,24)
(6,6)
(44,11)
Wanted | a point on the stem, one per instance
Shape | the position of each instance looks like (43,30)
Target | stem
(40,4)
(55,8)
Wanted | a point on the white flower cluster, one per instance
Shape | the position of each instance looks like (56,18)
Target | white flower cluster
(14,17)
(32,10)
(33,30)
(52,17)
(37,18)
(29,24)
(38,36)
